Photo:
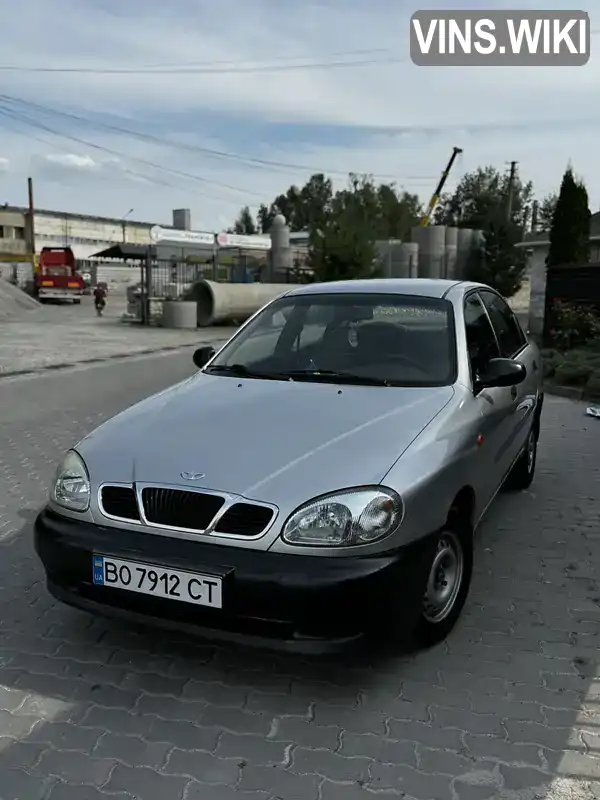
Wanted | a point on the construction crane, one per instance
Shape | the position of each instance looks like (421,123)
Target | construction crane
(438,189)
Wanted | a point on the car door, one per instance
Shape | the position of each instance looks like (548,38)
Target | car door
(494,405)
(513,344)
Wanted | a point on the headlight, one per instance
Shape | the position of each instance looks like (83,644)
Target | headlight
(71,488)
(352,517)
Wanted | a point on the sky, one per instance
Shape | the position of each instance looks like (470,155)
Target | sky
(216,105)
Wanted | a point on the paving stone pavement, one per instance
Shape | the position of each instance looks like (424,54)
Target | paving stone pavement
(68,334)
(507,708)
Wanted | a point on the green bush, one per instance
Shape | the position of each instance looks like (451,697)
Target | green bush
(594,346)
(551,359)
(573,372)
(574,326)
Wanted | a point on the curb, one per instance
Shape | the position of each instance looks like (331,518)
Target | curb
(570,393)
(13,373)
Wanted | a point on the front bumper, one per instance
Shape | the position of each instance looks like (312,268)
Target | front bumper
(299,603)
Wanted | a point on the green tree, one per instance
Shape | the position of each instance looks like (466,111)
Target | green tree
(480,197)
(570,229)
(303,208)
(264,218)
(397,212)
(496,261)
(244,223)
(546,210)
(343,246)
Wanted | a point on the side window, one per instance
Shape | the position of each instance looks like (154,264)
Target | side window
(481,340)
(509,332)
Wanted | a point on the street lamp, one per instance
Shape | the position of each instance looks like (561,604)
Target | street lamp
(124,223)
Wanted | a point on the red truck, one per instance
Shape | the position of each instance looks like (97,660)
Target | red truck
(56,276)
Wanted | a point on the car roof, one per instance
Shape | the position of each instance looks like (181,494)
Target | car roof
(422,287)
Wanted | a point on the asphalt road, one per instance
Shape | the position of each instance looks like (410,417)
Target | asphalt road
(507,707)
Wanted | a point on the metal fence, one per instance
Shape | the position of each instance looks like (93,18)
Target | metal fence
(157,280)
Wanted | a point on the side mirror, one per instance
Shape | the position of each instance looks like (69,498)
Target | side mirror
(203,355)
(502,372)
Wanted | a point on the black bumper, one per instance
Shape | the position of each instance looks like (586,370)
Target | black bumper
(293,602)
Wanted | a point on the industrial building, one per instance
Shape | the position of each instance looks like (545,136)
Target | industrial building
(84,233)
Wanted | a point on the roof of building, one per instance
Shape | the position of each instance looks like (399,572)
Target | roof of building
(542,238)
(126,252)
(45,212)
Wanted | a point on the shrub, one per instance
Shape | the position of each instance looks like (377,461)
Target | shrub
(573,372)
(574,326)
(551,359)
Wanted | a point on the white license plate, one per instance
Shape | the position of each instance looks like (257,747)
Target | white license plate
(173,584)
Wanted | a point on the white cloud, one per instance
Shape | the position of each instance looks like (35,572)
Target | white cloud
(4,164)
(542,117)
(71,161)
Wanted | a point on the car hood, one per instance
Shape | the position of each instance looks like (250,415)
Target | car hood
(265,440)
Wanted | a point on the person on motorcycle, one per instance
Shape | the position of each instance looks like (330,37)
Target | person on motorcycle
(100,298)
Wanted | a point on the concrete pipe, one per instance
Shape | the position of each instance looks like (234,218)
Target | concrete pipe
(219,303)
(179,314)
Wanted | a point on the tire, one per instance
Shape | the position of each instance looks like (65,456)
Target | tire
(442,606)
(522,473)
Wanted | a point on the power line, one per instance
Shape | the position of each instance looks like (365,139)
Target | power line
(248,160)
(50,143)
(239,62)
(195,70)
(24,119)
(227,67)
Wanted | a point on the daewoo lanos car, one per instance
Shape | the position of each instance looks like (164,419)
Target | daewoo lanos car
(318,482)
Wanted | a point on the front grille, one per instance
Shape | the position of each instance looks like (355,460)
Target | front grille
(244,519)
(120,501)
(176,508)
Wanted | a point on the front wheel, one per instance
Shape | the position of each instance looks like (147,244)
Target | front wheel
(521,475)
(446,589)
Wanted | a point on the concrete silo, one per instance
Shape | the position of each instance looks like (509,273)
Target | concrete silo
(280,257)
(431,241)
(466,242)
(451,251)
(398,259)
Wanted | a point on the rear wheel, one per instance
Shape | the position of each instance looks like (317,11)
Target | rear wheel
(447,587)
(521,475)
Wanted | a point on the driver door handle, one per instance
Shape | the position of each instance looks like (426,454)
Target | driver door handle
(513,392)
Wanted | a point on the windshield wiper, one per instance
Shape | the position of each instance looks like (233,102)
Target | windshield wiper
(240,371)
(344,377)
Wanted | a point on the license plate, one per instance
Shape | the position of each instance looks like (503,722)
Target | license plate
(173,584)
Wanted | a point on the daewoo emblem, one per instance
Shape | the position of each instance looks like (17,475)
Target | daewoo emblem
(192,476)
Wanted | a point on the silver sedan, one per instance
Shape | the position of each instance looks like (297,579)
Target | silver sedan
(318,482)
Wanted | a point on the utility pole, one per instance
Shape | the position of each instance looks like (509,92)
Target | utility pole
(511,190)
(31,220)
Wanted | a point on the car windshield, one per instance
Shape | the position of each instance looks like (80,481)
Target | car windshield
(373,339)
